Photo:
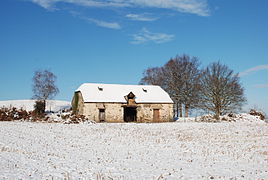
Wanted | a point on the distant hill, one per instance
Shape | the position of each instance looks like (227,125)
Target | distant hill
(52,105)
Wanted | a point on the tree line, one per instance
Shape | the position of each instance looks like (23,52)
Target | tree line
(215,88)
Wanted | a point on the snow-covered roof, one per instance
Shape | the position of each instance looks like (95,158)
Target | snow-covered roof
(93,92)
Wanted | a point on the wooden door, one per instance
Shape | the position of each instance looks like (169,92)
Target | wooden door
(156,115)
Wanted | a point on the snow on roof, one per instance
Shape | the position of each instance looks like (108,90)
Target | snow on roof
(93,92)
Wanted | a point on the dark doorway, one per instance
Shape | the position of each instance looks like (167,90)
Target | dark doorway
(130,114)
(102,115)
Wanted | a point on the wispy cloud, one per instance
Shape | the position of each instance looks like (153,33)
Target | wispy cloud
(140,17)
(261,85)
(145,36)
(111,25)
(257,68)
(101,23)
(198,7)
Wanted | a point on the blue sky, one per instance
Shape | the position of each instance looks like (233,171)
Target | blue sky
(114,41)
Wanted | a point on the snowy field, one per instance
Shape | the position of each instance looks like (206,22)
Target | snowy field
(191,150)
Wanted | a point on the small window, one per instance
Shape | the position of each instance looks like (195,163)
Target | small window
(100,88)
(144,90)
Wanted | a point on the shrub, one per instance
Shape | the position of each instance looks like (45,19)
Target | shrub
(10,114)
(254,112)
(39,109)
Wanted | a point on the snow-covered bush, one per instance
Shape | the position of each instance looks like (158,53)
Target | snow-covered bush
(10,114)
(254,112)
(67,118)
(253,116)
(76,119)
(207,118)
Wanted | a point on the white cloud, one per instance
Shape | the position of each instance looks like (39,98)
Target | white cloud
(111,25)
(257,68)
(198,7)
(261,85)
(101,23)
(140,17)
(145,36)
(44,3)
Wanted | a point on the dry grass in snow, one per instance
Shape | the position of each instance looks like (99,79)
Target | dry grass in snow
(134,151)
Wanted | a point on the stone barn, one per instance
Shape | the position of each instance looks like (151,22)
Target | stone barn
(123,103)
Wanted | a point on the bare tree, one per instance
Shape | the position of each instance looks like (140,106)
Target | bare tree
(152,76)
(44,87)
(183,81)
(173,83)
(179,77)
(221,90)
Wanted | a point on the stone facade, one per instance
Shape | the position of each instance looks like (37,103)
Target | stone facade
(123,112)
(114,112)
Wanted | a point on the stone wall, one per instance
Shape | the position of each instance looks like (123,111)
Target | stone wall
(114,112)
(78,104)
(145,112)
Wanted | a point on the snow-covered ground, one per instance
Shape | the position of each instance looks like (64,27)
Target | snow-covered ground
(52,105)
(190,150)
(242,117)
